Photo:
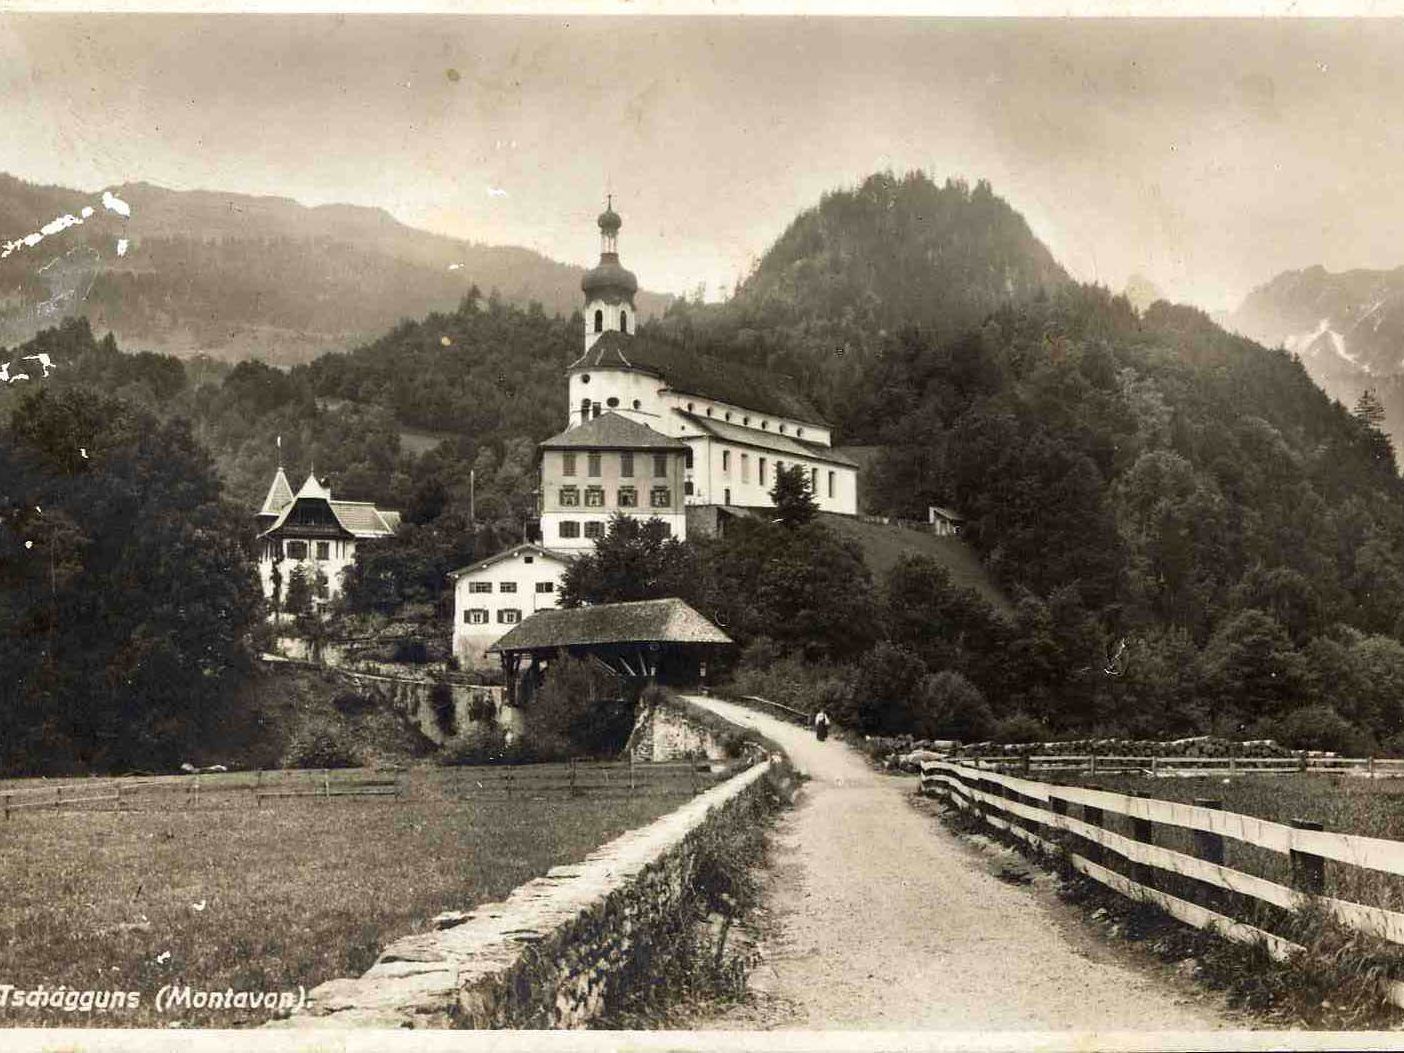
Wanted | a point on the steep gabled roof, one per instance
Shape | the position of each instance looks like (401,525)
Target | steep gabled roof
(526,548)
(695,373)
(280,495)
(360,519)
(766,440)
(613,431)
(363,519)
(643,621)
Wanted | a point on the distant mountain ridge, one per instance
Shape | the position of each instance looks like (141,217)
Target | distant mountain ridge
(1347,328)
(239,276)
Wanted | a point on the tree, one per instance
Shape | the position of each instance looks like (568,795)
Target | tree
(635,560)
(1370,412)
(794,496)
(1251,668)
(299,591)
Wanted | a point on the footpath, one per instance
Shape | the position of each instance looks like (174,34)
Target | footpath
(881,918)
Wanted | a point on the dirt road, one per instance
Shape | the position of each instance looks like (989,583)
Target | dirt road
(880,918)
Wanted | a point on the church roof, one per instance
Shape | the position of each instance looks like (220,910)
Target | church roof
(767,440)
(642,621)
(695,373)
(559,555)
(280,495)
(612,431)
(609,275)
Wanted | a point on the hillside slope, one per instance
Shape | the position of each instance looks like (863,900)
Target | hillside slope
(238,276)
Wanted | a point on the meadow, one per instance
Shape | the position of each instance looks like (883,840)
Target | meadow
(264,898)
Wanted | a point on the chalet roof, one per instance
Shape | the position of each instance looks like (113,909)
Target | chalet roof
(643,621)
(767,440)
(280,494)
(694,373)
(312,488)
(613,431)
(359,519)
(365,520)
(527,548)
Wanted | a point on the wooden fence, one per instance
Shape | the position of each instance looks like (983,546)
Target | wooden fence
(259,788)
(784,712)
(1189,767)
(1040,814)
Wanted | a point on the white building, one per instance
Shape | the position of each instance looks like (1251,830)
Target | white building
(311,530)
(494,594)
(650,429)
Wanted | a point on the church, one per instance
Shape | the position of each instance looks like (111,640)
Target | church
(652,430)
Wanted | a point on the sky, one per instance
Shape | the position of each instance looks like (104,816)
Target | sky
(1207,155)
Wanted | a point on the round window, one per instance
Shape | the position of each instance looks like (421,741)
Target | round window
(585,379)
(611,402)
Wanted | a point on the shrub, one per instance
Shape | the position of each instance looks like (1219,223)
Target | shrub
(411,651)
(1020,727)
(1321,728)
(441,702)
(579,709)
(353,702)
(321,746)
(950,706)
(883,690)
(478,744)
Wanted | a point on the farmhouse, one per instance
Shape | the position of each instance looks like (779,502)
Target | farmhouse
(650,431)
(665,640)
(311,530)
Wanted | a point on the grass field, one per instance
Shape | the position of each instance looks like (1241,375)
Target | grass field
(262,898)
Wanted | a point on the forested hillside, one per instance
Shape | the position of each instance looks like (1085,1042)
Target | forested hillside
(1195,537)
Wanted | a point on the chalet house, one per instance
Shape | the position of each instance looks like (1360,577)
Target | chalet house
(312,530)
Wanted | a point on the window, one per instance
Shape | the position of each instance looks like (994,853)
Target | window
(623,321)
(687,488)
(584,410)
(567,464)
(585,379)
(611,402)
(297,549)
(782,429)
(570,497)
(528,559)
(324,550)
(480,586)
(570,528)
(626,465)
(746,420)
(628,497)
(726,460)
(745,467)
(760,466)
(687,458)
(831,484)
(709,411)
(660,497)
(765,425)
(814,480)
(323,590)
(599,321)
(637,404)
(660,464)
(506,586)
(592,465)
(545,586)
(595,529)
(799,432)
(475,616)
(726,496)
(594,497)
(689,407)
(667,529)
(509,616)
(728,415)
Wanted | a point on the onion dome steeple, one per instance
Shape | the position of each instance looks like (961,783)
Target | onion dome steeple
(609,288)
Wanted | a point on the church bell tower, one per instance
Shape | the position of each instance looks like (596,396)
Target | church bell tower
(609,288)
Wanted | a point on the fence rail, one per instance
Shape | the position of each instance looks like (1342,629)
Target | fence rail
(1189,767)
(799,716)
(255,788)
(1038,813)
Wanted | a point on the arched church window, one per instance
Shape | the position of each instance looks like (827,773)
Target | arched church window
(599,321)
(637,404)
(799,432)
(687,458)
(623,321)
(584,409)
(782,429)
(687,488)
(728,414)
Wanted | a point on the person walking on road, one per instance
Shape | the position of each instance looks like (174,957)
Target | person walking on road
(821,725)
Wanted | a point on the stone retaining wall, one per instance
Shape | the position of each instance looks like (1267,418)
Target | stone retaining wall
(554,952)
(663,732)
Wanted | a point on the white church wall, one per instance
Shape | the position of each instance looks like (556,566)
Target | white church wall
(635,395)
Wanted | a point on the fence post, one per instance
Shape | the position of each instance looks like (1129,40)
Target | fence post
(1308,871)
(1142,830)
(507,781)
(1058,806)
(1301,761)
(631,774)
(197,790)
(1092,767)
(1209,846)
(1093,816)
(1155,766)
(573,790)
(118,784)
(7,807)
(1370,767)
(326,783)
(1026,764)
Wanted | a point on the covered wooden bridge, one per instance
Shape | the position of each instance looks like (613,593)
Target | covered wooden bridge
(664,640)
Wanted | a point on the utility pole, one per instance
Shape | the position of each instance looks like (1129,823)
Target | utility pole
(472,496)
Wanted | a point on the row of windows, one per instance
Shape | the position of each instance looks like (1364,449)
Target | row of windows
(301,549)
(746,421)
(479,616)
(779,466)
(594,528)
(508,586)
(594,464)
(625,497)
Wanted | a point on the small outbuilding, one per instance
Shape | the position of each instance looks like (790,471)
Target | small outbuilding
(645,640)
